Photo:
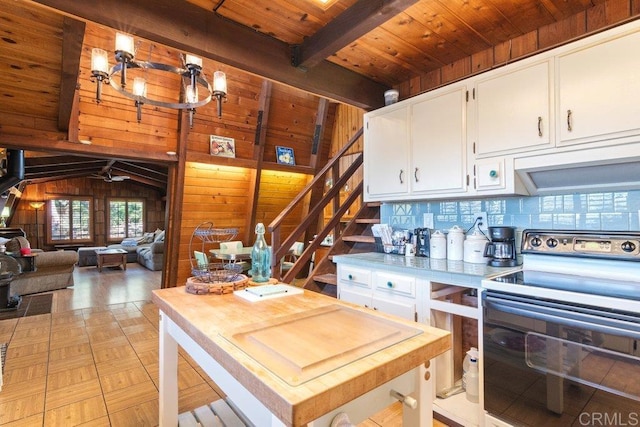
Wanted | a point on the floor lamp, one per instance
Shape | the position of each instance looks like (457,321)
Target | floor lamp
(37,206)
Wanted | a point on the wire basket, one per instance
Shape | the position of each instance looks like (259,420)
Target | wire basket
(217,272)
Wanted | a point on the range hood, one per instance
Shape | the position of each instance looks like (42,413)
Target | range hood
(613,168)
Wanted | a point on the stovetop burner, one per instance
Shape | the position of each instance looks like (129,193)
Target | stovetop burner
(573,283)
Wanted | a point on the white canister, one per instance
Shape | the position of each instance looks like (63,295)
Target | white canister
(474,246)
(455,244)
(438,245)
(409,249)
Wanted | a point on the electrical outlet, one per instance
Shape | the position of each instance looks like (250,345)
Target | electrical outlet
(483,222)
(427,220)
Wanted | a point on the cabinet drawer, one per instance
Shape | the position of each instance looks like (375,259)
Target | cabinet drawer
(394,283)
(354,276)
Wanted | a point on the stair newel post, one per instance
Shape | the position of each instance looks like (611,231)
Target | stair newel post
(335,170)
(275,248)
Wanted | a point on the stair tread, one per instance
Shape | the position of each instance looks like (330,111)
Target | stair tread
(368,220)
(357,238)
(329,278)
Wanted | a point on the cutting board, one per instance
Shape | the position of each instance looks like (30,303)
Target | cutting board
(298,348)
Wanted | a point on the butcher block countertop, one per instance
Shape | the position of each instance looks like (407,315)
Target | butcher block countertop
(302,355)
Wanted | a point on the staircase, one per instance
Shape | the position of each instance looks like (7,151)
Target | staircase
(351,234)
(355,238)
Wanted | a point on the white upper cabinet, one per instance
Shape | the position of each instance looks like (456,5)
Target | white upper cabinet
(386,153)
(514,110)
(599,91)
(438,143)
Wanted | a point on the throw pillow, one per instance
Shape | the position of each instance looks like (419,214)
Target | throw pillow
(17,243)
(159,237)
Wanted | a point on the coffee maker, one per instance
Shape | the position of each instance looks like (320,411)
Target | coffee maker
(422,236)
(502,248)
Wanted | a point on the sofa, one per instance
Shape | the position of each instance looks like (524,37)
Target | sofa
(53,269)
(147,250)
(152,256)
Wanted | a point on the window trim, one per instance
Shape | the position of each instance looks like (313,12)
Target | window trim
(71,241)
(107,230)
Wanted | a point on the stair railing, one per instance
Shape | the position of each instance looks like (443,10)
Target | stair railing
(281,248)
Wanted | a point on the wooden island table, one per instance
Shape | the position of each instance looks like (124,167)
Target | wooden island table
(297,359)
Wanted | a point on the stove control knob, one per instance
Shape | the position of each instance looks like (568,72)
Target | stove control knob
(552,243)
(536,241)
(628,246)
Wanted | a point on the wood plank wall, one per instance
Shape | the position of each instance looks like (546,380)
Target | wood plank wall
(99,191)
(218,194)
(597,18)
(43,26)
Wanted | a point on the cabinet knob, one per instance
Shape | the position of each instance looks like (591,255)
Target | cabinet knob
(390,284)
(350,277)
(493,173)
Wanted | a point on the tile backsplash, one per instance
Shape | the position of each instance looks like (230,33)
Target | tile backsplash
(580,211)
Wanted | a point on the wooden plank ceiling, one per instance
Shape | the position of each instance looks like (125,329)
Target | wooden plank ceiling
(345,50)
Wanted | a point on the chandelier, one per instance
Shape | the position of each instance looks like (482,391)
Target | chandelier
(191,73)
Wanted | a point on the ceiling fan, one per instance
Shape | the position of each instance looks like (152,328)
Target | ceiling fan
(107,177)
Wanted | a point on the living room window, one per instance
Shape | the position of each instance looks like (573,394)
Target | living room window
(70,220)
(126,219)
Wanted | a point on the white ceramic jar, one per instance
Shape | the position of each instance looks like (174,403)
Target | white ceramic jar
(474,246)
(438,245)
(455,243)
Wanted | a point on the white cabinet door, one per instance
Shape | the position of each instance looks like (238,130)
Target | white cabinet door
(401,307)
(358,298)
(599,91)
(438,144)
(514,110)
(386,154)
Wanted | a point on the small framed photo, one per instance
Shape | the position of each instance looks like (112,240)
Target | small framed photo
(222,146)
(285,156)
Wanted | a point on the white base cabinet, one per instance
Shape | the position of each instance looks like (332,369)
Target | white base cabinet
(390,293)
(438,304)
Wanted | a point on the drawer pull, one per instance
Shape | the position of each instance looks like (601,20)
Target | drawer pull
(389,284)
(407,400)
(350,277)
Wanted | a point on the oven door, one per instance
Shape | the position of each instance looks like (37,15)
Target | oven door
(551,363)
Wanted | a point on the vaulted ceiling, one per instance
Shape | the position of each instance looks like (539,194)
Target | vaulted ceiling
(349,51)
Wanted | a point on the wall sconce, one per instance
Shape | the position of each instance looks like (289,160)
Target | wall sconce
(125,58)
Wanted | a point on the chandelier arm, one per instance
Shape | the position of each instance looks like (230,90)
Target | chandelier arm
(118,69)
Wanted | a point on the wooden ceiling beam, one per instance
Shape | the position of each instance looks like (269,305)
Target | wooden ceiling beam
(22,142)
(349,26)
(187,27)
(72,37)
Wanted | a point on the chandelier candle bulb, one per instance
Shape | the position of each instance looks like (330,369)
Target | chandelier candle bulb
(125,45)
(220,82)
(99,61)
(140,87)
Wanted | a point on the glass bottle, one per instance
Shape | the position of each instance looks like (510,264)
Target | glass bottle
(260,257)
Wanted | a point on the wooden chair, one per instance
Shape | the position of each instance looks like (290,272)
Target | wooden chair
(202,261)
(290,259)
(234,247)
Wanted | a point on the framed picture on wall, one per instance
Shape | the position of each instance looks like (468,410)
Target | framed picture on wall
(285,156)
(222,146)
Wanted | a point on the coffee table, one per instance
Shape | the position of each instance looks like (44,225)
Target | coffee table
(111,258)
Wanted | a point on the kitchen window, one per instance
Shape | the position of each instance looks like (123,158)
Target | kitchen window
(126,219)
(70,221)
